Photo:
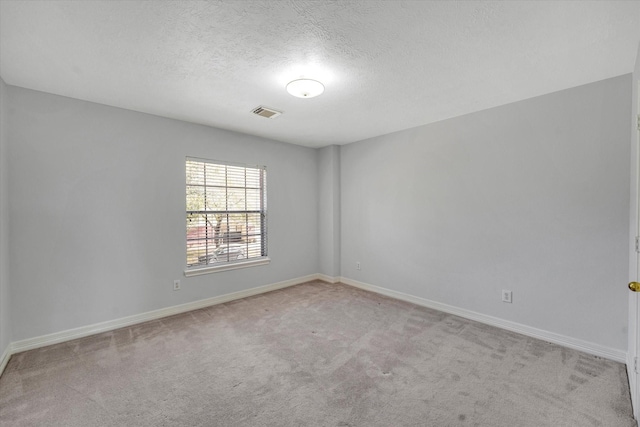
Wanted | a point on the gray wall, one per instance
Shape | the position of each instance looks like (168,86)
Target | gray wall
(5,315)
(531,196)
(97,211)
(329,210)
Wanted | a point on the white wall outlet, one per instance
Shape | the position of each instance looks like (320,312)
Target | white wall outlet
(357,265)
(176,285)
(507,296)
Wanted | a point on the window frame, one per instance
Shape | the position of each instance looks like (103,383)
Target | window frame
(206,268)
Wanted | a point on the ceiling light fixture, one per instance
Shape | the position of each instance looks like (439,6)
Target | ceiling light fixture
(305,88)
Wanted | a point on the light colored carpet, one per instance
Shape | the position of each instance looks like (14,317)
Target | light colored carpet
(315,354)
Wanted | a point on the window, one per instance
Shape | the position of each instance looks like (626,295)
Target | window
(226,216)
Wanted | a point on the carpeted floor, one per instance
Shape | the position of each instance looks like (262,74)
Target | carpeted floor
(315,354)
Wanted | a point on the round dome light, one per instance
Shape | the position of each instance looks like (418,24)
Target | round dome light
(305,88)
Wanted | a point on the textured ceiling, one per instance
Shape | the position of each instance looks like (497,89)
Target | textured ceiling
(386,65)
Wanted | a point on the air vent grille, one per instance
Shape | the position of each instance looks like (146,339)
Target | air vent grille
(269,113)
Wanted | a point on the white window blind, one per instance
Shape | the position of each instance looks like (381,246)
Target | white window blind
(226,212)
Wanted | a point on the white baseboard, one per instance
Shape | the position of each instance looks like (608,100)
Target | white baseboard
(4,359)
(565,341)
(328,279)
(71,334)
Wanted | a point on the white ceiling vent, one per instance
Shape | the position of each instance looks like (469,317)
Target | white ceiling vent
(269,113)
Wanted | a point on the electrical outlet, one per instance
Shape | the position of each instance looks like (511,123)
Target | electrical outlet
(357,265)
(507,296)
(176,285)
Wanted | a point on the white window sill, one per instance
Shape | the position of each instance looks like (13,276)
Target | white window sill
(226,266)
